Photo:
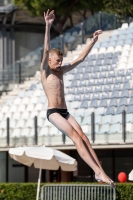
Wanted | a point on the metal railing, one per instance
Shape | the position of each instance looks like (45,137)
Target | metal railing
(77,192)
(61,139)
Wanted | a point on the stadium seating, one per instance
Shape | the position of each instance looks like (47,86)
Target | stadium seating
(101,84)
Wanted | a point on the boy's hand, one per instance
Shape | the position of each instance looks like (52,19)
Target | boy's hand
(96,34)
(49,17)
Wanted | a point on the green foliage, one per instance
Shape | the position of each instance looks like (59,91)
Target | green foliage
(124,191)
(121,7)
(37,7)
(27,191)
(18,191)
(61,7)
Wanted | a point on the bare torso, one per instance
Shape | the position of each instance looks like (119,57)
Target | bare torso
(53,86)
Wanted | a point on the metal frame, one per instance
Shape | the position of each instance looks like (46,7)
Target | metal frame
(77,192)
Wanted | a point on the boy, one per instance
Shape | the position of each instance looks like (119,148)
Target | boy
(52,80)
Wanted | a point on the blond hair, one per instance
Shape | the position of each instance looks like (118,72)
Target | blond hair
(55,51)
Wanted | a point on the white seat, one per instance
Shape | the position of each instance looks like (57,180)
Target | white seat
(13,109)
(32,133)
(118,48)
(15,133)
(130,59)
(79,112)
(25,115)
(129,127)
(115,32)
(69,77)
(123,60)
(110,49)
(25,100)
(3,124)
(17,101)
(20,124)
(122,65)
(3,133)
(33,114)
(107,119)
(29,123)
(124,26)
(88,111)
(30,107)
(44,131)
(115,128)
(47,123)
(117,119)
(129,117)
(25,132)
(39,106)
(100,111)
(104,129)
(8,115)
(42,114)
(86,129)
(127,47)
(94,50)
(21,108)
(129,65)
(74,104)
(78,119)
(53,131)
(124,53)
(2,116)
(98,119)
(37,93)
(16,115)
(69,97)
(5,109)
(86,120)
(102,50)
(131,24)
(13,123)
(40,122)
(72,111)
(33,100)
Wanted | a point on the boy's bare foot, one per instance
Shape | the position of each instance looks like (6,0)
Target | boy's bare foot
(102,177)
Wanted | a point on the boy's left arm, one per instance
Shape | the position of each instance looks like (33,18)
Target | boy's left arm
(83,55)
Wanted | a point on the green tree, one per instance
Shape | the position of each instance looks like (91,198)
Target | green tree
(121,7)
(63,8)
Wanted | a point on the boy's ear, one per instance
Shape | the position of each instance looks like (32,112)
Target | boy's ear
(49,59)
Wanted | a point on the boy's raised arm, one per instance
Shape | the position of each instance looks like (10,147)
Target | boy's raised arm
(49,18)
(83,55)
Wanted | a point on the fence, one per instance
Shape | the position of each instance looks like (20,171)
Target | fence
(56,139)
(77,192)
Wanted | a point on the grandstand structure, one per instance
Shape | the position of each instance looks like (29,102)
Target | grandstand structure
(99,94)
(102,84)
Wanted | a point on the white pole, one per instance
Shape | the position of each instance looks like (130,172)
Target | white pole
(39,180)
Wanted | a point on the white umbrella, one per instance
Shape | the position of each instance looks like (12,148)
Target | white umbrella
(130,176)
(43,158)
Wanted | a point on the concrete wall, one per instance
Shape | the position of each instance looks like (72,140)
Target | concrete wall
(25,42)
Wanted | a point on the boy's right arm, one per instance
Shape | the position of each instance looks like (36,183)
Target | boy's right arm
(49,18)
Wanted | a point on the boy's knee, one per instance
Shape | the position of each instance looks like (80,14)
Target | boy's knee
(76,137)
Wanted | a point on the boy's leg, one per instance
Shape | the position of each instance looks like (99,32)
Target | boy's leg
(86,142)
(64,126)
(85,139)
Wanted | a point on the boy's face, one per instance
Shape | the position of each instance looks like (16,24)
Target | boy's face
(55,62)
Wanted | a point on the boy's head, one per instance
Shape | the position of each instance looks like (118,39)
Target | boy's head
(55,59)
